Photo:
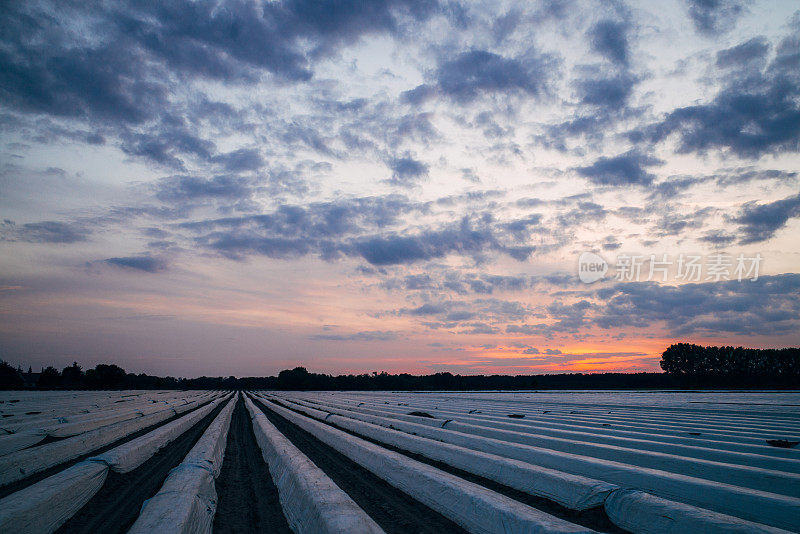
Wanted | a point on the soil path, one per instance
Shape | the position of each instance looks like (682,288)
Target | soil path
(246,496)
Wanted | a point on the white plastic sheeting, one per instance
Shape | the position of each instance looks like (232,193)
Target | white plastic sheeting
(687,423)
(187,501)
(553,423)
(758,506)
(46,505)
(61,420)
(21,464)
(643,513)
(311,501)
(474,507)
(135,452)
(572,491)
(15,442)
(23,431)
(755,455)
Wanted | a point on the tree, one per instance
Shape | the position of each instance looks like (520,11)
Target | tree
(49,378)
(72,376)
(105,376)
(10,378)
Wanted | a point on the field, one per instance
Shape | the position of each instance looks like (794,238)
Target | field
(349,462)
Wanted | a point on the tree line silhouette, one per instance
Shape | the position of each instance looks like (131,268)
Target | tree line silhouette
(732,366)
(685,365)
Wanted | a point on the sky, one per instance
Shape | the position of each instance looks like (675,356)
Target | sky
(239,187)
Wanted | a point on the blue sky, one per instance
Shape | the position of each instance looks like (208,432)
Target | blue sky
(239,187)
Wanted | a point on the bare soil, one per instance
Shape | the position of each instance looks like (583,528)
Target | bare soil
(247,499)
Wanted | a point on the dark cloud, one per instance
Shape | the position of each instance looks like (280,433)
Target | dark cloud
(190,188)
(606,92)
(462,238)
(741,175)
(625,169)
(718,238)
(609,38)
(460,283)
(713,17)
(145,263)
(360,227)
(753,50)
(418,95)
(764,307)
(368,335)
(407,171)
(477,72)
(41,70)
(244,159)
(47,232)
(759,222)
(757,112)
(124,66)
(673,186)
(461,314)
(282,37)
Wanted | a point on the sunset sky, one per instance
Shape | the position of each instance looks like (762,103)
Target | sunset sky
(240,187)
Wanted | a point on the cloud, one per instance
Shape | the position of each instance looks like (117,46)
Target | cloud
(674,186)
(610,92)
(743,54)
(625,169)
(406,171)
(244,159)
(713,17)
(757,111)
(759,222)
(768,306)
(368,335)
(189,188)
(50,232)
(430,244)
(609,38)
(363,227)
(146,263)
(471,74)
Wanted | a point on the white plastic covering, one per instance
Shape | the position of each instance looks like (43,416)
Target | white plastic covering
(753,505)
(187,501)
(755,455)
(312,502)
(14,442)
(675,417)
(21,464)
(572,491)
(135,452)
(46,505)
(643,513)
(474,507)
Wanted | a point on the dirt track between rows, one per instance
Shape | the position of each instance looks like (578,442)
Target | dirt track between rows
(247,498)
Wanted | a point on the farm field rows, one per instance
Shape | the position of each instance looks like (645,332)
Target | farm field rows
(202,461)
